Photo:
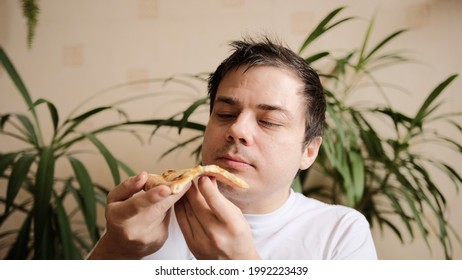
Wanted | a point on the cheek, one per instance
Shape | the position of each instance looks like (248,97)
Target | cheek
(282,153)
(210,141)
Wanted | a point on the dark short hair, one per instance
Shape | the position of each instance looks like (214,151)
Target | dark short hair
(266,52)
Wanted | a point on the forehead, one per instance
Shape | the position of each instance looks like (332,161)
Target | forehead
(259,83)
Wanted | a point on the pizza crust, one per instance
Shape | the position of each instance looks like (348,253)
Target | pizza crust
(178,180)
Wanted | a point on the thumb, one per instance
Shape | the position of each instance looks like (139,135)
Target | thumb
(128,188)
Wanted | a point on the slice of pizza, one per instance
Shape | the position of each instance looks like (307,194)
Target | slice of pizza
(177,180)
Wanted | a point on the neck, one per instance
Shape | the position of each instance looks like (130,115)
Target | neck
(260,204)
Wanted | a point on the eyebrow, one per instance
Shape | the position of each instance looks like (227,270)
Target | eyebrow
(226,100)
(264,107)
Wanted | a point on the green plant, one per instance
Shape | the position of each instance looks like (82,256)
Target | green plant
(58,212)
(30,11)
(367,166)
(380,174)
(48,231)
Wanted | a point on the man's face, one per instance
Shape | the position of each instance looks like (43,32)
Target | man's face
(256,131)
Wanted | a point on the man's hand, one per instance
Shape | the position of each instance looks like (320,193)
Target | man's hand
(213,227)
(136,221)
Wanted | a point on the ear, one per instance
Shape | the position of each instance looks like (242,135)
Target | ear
(310,153)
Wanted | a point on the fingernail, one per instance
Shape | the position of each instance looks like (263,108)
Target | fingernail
(139,177)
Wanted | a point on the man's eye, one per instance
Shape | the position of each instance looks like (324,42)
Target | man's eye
(269,124)
(222,116)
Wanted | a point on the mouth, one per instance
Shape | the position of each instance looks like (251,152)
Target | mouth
(233,162)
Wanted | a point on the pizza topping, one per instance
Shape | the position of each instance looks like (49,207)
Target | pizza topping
(178,180)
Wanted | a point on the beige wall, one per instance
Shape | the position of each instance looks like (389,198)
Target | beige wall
(82,47)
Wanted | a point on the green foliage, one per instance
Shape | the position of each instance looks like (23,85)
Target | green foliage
(47,231)
(367,167)
(30,11)
(58,213)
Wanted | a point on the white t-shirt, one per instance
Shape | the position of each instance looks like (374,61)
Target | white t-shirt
(303,228)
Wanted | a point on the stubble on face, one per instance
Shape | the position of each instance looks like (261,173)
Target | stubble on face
(277,151)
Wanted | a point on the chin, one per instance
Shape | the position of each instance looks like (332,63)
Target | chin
(229,191)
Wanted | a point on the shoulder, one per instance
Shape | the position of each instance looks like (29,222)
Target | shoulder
(332,218)
(306,204)
(346,230)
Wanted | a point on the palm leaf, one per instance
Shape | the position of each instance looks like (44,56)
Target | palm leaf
(382,43)
(191,109)
(357,175)
(316,57)
(53,112)
(20,249)
(181,145)
(74,122)
(42,195)
(19,173)
(29,130)
(88,196)
(10,69)
(70,251)
(362,58)
(322,28)
(126,168)
(422,112)
(392,227)
(110,159)
(5,161)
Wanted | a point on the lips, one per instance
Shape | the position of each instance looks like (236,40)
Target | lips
(235,162)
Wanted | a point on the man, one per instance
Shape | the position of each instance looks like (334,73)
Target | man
(267,114)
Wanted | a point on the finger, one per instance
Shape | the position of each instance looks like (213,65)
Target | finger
(151,204)
(182,219)
(188,219)
(219,205)
(199,206)
(160,197)
(153,195)
(128,188)
(196,199)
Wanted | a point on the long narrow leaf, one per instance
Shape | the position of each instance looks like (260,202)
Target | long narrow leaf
(187,113)
(180,145)
(392,227)
(316,57)
(88,196)
(74,122)
(3,120)
(429,100)
(10,69)
(152,122)
(42,195)
(65,232)
(398,208)
(53,111)
(357,172)
(5,161)
(411,203)
(20,249)
(29,130)
(361,57)
(383,43)
(126,168)
(110,159)
(18,175)
(320,29)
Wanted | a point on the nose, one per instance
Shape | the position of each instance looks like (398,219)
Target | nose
(240,131)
